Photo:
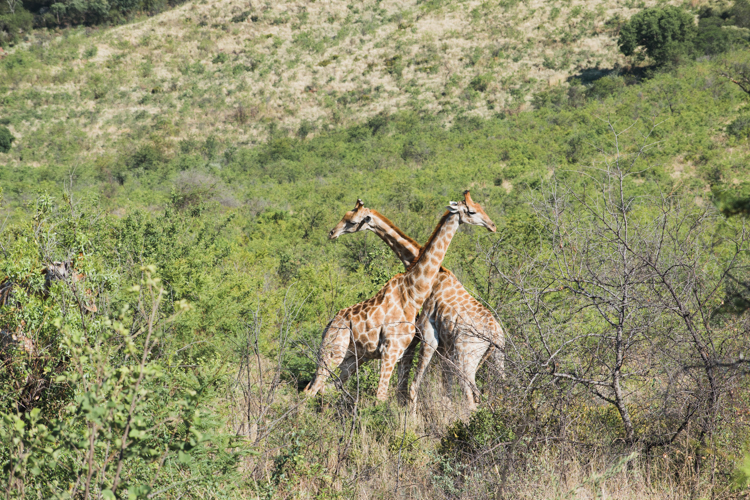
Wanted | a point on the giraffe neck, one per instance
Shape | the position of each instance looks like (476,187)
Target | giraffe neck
(421,275)
(403,246)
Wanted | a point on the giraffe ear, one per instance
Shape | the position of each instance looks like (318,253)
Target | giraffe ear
(467,197)
(452,207)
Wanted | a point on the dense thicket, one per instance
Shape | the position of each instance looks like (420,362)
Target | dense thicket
(666,34)
(17,17)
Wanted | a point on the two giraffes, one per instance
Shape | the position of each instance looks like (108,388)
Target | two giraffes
(385,326)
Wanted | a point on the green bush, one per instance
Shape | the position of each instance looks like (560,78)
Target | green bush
(740,127)
(44,455)
(712,37)
(742,474)
(480,83)
(146,157)
(59,13)
(664,33)
(11,24)
(605,87)
(740,12)
(554,98)
(6,138)
(484,428)
(220,58)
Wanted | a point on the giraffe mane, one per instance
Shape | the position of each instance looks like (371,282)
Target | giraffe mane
(408,238)
(429,240)
(396,228)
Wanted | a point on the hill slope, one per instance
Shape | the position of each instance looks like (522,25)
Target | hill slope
(233,69)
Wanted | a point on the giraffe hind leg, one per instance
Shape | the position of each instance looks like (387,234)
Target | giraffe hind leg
(404,368)
(429,346)
(350,366)
(393,348)
(473,348)
(332,352)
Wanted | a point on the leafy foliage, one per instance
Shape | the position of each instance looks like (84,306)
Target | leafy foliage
(484,429)
(665,33)
(60,12)
(6,139)
(13,24)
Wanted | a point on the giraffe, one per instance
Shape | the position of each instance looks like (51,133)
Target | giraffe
(451,318)
(382,327)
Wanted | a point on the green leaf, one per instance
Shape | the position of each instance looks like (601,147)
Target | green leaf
(138,491)
(183,457)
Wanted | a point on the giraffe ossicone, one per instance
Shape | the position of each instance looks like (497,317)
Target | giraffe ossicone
(383,326)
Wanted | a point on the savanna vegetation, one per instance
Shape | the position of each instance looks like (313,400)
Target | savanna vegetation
(166,195)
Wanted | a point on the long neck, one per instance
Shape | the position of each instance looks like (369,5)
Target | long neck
(404,247)
(421,275)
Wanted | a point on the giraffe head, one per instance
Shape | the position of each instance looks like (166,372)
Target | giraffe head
(471,213)
(354,220)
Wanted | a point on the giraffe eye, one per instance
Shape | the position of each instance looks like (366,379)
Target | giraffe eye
(471,212)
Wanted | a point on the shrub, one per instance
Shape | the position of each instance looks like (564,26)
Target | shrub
(6,138)
(605,87)
(741,13)
(740,127)
(42,451)
(11,24)
(554,97)
(147,157)
(711,38)
(416,150)
(480,83)
(664,33)
(220,58)
(484,428)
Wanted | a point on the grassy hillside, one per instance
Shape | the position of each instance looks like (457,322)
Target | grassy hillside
(232,70)
(189,166)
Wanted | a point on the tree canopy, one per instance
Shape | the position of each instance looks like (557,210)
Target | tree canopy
(663,32)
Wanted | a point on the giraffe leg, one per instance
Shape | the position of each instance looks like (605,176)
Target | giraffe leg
(468,382)
(404,368)
(498,351)
(429,345)
(332,351)
(393,347)
(471,349)
(447,352)
(350,365)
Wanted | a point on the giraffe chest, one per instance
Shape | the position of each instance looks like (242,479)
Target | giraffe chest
(376,330)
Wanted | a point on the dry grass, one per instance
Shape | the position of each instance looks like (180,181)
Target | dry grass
(323,62)
(337,457)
